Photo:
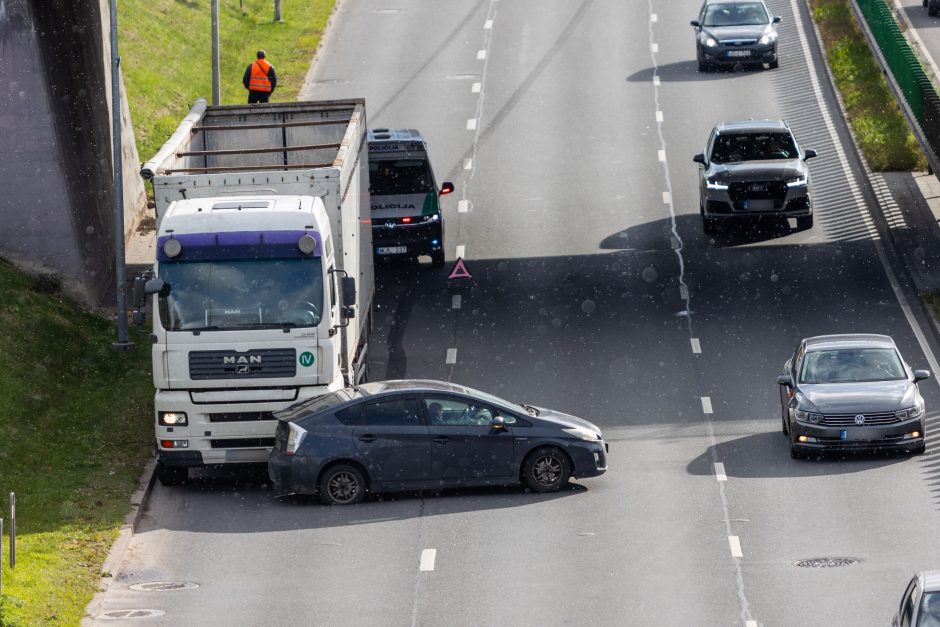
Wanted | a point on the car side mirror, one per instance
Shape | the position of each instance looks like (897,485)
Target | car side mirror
(700,158)
(808,154)
(786,380)
(920,375)
(498,423)
(446,188)
(696,23)
(777,19)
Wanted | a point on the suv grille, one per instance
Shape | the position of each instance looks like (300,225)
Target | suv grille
(848,420)
(255,364)
(758,190)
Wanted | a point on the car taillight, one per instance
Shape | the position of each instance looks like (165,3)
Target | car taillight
(294,438)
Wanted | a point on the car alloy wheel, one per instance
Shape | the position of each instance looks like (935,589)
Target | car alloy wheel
(547,470)
(342,485)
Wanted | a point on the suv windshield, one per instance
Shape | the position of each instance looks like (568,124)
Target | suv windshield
(736,14)
(730,148)
(852,365)
(240,294)
(400,176)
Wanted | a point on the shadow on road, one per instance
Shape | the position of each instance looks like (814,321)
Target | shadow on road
(688,71)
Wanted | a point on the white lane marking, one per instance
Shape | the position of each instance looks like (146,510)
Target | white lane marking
(854,189)
(720,472)
(654,18)
(463,206)
(488,24)
(427,559)
(468,164)
(659,116)
(461,251)
(451,357)
(696,346)
(472,124)
(735,544)
(654,48)
(656,81)
(706,404)
(661,154)
(475,88)
(750,623)
(481,54)
(673,243)
(683,292)
(667,198)
(455,301)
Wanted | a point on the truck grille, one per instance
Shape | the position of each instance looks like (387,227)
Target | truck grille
(254,364)
(848,420)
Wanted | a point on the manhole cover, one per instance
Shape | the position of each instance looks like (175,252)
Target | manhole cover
(163,586)
(122,614)
(826,562)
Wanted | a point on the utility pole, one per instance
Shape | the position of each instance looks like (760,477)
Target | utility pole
(117,155)
(216,84)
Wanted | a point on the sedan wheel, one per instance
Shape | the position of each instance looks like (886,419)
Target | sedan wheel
(342,485)
(546,470)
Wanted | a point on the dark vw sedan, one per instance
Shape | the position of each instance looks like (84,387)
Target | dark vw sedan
(849,392)
(416,434)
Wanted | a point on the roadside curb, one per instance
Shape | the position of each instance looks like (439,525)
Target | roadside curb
(121,544)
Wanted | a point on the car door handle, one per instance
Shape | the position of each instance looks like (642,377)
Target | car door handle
(442,440)
(367,438)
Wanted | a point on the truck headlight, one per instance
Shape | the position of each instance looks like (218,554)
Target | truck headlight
(172,418)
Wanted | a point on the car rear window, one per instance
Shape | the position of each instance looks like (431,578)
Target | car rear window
(850,365)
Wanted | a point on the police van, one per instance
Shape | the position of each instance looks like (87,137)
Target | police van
(406,211)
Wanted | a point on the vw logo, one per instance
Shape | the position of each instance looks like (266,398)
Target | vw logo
(860,419)
(390,224)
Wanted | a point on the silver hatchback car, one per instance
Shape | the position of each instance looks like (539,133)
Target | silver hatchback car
(754,168)
(920,604)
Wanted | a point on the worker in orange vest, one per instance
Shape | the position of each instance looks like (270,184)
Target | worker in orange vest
(259,79)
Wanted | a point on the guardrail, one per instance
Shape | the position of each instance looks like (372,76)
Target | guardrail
(915,92)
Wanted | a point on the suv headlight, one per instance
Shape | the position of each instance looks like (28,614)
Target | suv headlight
(911,412)
(707,40)
(172,419)
(716,185)
(582,433)
(768,37)
(805,416)
(799,181)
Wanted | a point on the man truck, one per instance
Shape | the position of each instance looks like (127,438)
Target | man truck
(263,279)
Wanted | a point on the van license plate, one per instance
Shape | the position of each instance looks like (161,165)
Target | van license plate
(391,250)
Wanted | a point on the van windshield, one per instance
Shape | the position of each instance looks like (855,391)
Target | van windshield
(400,176)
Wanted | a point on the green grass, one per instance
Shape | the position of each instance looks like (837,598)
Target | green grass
(76,430)
(166,48)
(880,128)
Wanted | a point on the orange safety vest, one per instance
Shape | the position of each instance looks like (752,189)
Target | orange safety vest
(259,76)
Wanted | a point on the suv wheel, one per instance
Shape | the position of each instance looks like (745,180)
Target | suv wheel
(342,485)
(546,469)
(172,475)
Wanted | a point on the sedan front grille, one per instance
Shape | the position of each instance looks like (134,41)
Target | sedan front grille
(848,420)
(735,43)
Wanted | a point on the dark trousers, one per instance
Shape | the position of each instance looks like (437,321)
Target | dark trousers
(255,97)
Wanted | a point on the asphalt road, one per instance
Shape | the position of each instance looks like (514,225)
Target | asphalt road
(568,128)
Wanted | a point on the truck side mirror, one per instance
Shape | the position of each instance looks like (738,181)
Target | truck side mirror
(349,296)
(446,188)
(157,286)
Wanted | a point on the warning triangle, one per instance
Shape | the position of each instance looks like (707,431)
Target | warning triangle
(460,270)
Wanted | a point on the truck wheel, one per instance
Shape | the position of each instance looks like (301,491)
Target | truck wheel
(342,484)
(172,475)
(804,222)
(546,469)
(437,258)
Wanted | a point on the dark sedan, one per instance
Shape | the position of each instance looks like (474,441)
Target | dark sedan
(851,392)
(732,32)
(414,434)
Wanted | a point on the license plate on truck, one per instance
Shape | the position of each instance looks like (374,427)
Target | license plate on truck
(391,250)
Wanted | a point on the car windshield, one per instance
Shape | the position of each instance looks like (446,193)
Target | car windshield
(400,176)
(240,294)
(929,614)
(847,365)
(735,14)
(734,147)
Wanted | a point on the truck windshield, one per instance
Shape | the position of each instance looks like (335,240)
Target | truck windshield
(242,294)
(400,176)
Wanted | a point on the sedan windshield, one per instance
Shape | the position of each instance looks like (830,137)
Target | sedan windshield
(849,365)
(731,148)
(400,176)
(736,14)
(929,613)
(240,294)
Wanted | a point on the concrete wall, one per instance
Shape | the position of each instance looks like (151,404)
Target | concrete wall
(56,189)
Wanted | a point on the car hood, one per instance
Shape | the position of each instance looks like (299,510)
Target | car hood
(863,397)
(769,170)
(566,420)
(722,33)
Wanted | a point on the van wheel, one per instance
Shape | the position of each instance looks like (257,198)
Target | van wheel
(546,469)
(437,258)
(342,485)
(172,475)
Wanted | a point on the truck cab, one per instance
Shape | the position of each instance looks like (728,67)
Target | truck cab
(407,220)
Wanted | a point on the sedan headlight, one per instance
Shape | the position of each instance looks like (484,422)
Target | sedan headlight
(172,419)
(805,416)
(716,185)
(708,41)
(911,412)
(799,181)
(768,38)
(294,438)
(582,433)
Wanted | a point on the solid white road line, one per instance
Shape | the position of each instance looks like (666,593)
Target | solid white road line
(481,54)
(488,24)
(720,472)
(461,251)
(706,404)
(451,357)
(667,198)
(696,346)
(472,124)
(427,559)
(475,88)
(735,544)
(455,302)
(463,206)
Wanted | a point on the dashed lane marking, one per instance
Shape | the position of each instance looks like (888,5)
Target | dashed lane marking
(696,346)
(720,472)
(706,404)
(461,251)
(656,81)
(667,198)
(468,164)
(481,54)
(654,48)
(683,292)
(662,155)
(476,87)
(455,301)
(451,357)
(463,206)
(654,18)
(427,557)
(735,545)
(659,116)
(488,24)
(472,124)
